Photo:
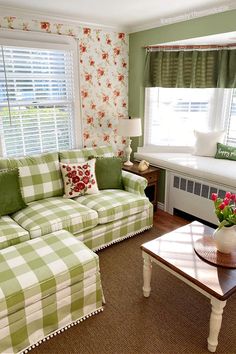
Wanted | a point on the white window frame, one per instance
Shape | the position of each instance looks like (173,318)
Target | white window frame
(50,41)
(218,120)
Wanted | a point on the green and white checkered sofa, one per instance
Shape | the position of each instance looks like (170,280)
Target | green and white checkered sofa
(94,221)
(97,220)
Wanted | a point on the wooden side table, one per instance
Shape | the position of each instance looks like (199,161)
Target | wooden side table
(151,174)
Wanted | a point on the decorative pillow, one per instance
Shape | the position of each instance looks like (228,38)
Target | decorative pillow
(109,172)
(79,179)
(10,195)
(40,175)
(225,152)
(205,144)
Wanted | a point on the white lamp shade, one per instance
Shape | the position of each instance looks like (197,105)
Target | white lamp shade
(130,127)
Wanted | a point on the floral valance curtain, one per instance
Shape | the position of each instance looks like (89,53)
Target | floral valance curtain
(191,68)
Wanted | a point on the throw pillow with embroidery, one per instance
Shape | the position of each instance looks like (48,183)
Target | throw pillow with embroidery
(79,179)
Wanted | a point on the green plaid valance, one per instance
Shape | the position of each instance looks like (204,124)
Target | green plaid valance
(191,69)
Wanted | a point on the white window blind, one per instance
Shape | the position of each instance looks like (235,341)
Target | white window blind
(37,84)
(172,115)
(231,131)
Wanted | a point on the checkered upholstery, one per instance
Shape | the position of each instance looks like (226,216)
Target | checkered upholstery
(115,231)
(134,183)
(47,215)
(113,204)
(11,233)
(44,284)
(72,156)
(40,175)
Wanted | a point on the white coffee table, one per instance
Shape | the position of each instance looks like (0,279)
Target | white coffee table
(175,253)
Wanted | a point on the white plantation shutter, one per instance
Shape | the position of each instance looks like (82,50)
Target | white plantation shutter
(38,86)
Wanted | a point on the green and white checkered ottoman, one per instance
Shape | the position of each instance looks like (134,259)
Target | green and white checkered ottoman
(46,284)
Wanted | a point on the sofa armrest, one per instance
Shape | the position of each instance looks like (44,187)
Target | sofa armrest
(134,183)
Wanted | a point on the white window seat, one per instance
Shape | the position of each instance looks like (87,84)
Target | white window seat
(191,179)
(209,168)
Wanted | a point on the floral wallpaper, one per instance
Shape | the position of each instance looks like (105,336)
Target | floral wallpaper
(13,22)
(104,85)
(103,68)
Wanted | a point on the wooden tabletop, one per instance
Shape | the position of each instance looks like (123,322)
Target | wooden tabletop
(176,251)
(134,169)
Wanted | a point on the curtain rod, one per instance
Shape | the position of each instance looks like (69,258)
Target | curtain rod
(201,46)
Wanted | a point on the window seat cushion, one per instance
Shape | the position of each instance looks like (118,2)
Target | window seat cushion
(208,168)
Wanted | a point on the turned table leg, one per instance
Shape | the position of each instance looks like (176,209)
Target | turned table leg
(147,273)
(217,307)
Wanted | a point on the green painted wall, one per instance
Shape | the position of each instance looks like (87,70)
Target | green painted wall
(208,25)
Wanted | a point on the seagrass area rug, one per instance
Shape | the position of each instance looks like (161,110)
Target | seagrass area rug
(173,320)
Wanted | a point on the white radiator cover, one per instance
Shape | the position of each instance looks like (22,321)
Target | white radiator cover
(192,195)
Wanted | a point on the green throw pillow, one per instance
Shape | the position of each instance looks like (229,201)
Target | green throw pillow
(108,172)
(225,152)
(10,194)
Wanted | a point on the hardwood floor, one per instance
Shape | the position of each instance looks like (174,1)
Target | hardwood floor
(167,222)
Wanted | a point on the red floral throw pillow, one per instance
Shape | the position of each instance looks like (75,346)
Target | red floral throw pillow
(79,179)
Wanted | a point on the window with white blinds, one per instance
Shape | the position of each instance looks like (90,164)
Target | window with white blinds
(36,100)
(231,124)
(172,114)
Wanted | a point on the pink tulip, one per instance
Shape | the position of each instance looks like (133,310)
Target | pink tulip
(226,201)
(233,197)
(228,195)
(222,206)
(214,196)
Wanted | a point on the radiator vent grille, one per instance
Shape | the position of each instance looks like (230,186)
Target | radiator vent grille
(193,187)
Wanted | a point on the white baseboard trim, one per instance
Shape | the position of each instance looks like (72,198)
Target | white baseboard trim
(161,206)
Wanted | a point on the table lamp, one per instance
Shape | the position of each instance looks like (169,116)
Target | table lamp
(129,128)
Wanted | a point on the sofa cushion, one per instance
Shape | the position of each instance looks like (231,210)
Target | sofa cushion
(11,233)
(104,235)
(10,193)
(114,204)
(80,155)
(52,214)
(40,175)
